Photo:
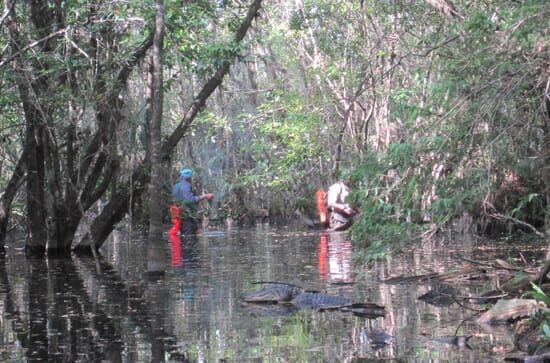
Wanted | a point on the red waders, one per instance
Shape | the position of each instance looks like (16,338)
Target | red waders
(175,215)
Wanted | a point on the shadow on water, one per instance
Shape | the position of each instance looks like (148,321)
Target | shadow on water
(111,309)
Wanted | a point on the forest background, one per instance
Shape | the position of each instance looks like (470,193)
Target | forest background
(436,110)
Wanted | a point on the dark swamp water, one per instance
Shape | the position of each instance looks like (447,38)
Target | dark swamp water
(81,310)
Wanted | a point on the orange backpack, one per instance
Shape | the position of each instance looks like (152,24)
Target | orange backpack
(320,201)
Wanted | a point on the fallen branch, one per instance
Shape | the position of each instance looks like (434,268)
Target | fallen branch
(479,297)
(429,276)
(501,266)
(468,307)
(520,222)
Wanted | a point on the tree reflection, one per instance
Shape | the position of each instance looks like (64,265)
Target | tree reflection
(10,313)
(143,305)
(79,310)
(60,323)
(37,313)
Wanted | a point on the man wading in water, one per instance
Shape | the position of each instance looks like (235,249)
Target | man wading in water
(186,201)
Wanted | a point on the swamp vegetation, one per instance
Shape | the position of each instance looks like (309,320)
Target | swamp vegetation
(438,111)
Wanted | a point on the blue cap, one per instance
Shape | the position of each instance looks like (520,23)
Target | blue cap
(186,173)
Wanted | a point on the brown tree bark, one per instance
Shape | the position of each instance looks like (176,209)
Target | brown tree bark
(9,194)
(546,172)
(30,92)
(154,248)
(36,213)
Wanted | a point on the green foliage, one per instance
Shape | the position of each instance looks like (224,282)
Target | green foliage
(400,155)
(200,31)
(478,22)
(384,220)
(475,143)
(538,294)
(544,321)
(288,138)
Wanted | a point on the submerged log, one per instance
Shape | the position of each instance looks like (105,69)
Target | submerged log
(506,310)
(365,310)
(459,341)
(446,276)
(541,358)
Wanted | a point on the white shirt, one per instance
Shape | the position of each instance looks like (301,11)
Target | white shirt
(337,194)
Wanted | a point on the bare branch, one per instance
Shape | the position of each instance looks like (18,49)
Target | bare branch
(446,7)
(32,45)
(7,11)
(520,222)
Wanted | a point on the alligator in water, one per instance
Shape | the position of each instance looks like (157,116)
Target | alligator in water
(283,293)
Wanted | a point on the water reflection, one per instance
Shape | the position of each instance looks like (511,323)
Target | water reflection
(184,253)
(38,292)
(185,262)
(60,320)
(79,310)
(175,248)
(334,258)
(110,309)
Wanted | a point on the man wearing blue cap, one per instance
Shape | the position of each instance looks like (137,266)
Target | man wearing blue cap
(183,195)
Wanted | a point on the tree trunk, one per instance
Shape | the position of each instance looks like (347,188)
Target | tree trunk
(33,142)
(36,215)
(155,185)
(8,196)
(546,172)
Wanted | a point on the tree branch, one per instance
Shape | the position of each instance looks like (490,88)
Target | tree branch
(7,11)
(115,210)
(32,45)
(210,86)
(522,223)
